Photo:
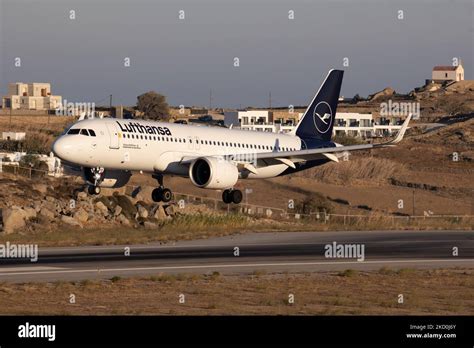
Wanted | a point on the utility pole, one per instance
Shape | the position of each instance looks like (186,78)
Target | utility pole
(110,104)
(11,107)
(270,100)
(210,99)
(413,202)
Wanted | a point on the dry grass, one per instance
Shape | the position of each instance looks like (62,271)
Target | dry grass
(186,227)
(357,168)
(434,292)
(202,226)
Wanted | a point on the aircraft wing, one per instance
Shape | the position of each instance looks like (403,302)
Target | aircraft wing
(333,153)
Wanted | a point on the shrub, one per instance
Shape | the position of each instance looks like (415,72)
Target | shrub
(313,203)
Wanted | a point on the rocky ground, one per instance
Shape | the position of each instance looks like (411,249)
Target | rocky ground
(47,205)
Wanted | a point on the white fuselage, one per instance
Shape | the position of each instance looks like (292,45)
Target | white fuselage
(148,146)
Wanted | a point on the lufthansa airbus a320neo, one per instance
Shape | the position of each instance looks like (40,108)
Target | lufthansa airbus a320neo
(109,150)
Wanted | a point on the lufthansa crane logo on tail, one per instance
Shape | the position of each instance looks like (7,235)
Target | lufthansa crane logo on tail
(322,117)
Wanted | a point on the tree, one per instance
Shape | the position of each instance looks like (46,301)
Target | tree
(153,106)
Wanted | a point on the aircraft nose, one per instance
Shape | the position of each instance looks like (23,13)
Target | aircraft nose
(62,148)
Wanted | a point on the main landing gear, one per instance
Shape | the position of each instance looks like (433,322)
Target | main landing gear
(232,196)
(161,194)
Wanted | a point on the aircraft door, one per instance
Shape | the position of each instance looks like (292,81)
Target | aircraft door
(113,134)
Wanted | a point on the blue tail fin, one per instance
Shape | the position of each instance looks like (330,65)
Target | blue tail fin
(318,119)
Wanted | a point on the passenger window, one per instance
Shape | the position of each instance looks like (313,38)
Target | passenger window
(91,132)
(84,132)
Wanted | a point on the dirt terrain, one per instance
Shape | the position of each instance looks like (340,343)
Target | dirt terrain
(325,293)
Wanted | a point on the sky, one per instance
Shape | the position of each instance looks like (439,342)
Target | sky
(85,57)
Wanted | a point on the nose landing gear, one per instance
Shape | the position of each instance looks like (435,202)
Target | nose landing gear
(93,190)
(232,196)
(95,176)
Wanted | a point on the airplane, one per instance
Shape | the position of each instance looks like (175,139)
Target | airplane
(108,150)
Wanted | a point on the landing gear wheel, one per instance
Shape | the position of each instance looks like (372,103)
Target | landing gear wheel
(93,190)
(236,196)
(161,195)
(227,196)
(166,195)
(156,194)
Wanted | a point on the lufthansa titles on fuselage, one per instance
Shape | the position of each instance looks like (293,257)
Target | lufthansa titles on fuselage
(135,127)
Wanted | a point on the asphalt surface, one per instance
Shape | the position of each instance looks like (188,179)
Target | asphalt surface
(271,252)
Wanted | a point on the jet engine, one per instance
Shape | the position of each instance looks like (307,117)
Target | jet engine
(101,177)
(213,173)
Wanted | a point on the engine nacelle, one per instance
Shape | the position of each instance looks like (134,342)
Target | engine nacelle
(213,173)
(108,178)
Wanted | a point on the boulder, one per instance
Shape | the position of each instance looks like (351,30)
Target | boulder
(123,220)
(170,210)
(50,199)
(142,211)
(82,196)
(386,92)
(47,213)
(128,209)
(102,208)
(159,212)
(13,219)
(30,213)
(49,206)
(118,210)
(70,221)
(81,215)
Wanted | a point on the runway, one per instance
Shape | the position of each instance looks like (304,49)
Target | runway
(247,253)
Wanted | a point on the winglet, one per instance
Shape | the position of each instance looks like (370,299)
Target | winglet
(401,132)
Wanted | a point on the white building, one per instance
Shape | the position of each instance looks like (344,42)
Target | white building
(346,123)
(30,96)
(448,73)
(244,118)
(13,135)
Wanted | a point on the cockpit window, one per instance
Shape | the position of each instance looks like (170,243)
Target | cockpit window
(91,132)
(84,132)
(73,131)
